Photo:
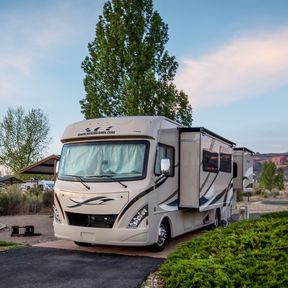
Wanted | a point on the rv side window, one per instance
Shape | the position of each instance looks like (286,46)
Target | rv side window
(164,151)
(210,161)
(225,162)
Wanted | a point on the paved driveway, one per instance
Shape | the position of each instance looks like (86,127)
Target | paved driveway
(35,267)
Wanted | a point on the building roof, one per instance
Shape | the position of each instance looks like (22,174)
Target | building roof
(10,180)
(45,166)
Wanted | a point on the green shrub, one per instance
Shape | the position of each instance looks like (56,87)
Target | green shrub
(48,198)
(16,200)
(246,254)
(265,194)
(3,203)
(34,202)
(239,195)
(257,189)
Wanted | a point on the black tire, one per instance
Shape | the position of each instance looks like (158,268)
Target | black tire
(82,244)
(163,237)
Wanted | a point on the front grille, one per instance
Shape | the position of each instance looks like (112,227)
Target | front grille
(91,220)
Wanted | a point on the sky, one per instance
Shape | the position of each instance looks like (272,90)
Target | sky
(232,56)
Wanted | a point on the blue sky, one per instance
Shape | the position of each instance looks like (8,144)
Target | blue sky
(232,55)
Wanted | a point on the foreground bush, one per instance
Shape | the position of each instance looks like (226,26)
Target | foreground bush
(246,254)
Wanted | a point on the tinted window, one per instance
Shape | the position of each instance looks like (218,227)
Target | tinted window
(225,162)
(210,161)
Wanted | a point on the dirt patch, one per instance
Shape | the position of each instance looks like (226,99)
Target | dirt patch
(42,224)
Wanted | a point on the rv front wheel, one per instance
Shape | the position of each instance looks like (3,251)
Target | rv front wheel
(82,244)
(163,236)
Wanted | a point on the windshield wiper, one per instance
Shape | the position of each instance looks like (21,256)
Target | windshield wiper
(80,179)
(108,176)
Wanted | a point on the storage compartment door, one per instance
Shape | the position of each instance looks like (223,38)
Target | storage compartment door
(189,170)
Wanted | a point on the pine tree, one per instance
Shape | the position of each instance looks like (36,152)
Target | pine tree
(271,177)
(128,71)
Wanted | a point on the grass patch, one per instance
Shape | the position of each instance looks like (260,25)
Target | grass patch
(249,253)
(5,245)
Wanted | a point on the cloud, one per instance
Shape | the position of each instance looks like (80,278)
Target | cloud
(243,68)
(32,39)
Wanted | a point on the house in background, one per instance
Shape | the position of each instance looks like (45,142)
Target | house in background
(280,161)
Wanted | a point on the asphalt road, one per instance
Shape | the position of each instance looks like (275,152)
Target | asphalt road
(34,267)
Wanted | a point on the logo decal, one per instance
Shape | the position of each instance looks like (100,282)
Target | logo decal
(97,131)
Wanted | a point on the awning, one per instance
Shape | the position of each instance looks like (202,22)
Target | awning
(45,166)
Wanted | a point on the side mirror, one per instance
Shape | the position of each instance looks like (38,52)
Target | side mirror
(165,166)
(56,170)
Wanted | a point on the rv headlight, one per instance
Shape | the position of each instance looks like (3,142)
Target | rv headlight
(138,217)
(56,214)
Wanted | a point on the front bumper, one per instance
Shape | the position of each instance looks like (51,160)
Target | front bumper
(115,236)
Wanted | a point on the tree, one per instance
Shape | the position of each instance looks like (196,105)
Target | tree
(279,179)
(271,177)
(23,138)
(128,71)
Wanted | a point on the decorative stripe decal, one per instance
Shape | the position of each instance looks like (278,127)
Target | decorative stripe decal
(101,199)
(160,178)
(174,203)
(139,196)
(204,182)
(211,184)
(227,191)
(219,196)
(58,201)
(170,197)
(203,200)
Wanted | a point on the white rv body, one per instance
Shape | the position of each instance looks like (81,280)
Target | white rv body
(129,205)
(243,166)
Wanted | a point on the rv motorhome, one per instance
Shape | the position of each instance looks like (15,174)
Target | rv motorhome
(243,169)
(140,180)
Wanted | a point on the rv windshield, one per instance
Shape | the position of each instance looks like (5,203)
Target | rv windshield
(104,161)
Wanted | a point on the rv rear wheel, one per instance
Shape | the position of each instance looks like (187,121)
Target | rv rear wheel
(217,219)
(163,236)
(82,244)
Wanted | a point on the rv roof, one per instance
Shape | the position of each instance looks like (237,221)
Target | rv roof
(206,131)
(131,126)
(244,149)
